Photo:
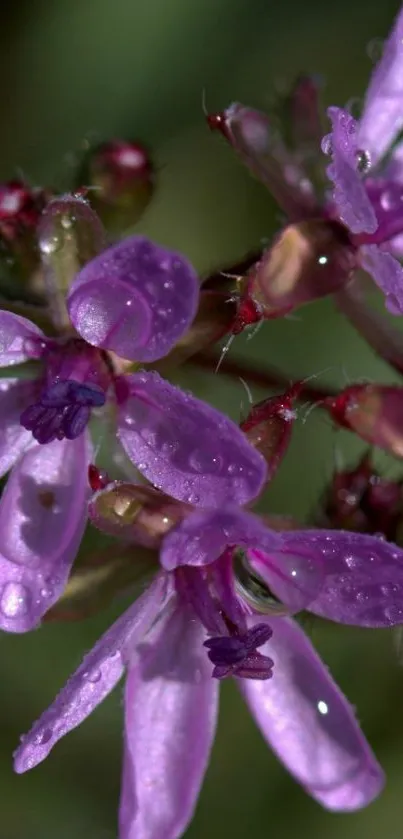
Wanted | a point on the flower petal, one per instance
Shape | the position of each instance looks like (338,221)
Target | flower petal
(203,536)
(135,298)
(171,711)
(349,194)
(14,439)
(382,117)
(16,333)
(185,447)
(387,273)
(42,519)
(363,582)
(98,674)
(309,724)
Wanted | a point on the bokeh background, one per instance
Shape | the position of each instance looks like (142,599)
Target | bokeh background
(137,68)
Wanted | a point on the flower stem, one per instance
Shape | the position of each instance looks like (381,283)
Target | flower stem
(267,378)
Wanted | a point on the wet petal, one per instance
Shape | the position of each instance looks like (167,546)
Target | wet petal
(203,536)
(309,724)
(135,298)
(185,447)
(171,711)
(98,674)
(382,117)
(42,519)
(363,582)
(387,273)
(349,194)
(14,439)
(16,333)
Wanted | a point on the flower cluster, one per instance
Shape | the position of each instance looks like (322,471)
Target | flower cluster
(94,436)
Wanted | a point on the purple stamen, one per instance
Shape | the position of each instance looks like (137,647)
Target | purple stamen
(62,411)
(236,654)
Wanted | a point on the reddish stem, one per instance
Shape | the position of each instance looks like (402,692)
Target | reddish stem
(267,378)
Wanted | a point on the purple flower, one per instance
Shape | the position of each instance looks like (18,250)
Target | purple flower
(367,194)
(133,301)
(198,620)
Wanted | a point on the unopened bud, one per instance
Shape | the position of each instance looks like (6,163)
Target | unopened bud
(121,180)
(20,211)
(374,412)
(269,425)
(360,499)
(309,260)
(69,235)
(133,512)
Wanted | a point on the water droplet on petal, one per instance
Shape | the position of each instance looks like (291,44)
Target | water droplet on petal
(394,614)
(95,676)
(322,707)
(15,599)
(375,49)
(327,145)
(205,462)
(363,161)
(43,737)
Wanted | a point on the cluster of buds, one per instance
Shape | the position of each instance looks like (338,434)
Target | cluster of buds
(97,440)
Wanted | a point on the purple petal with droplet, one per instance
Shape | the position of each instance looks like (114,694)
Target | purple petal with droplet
(349,194)
(14,439)
(135,298)
(203,536)
(363,581)
(98,674)
(16,333)
(382,116)
(185,447)
(171,712)
(387,273)
(42,519)
(310,725)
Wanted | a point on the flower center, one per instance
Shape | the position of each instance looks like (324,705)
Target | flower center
(232,646)
(236,654)
(62,411)
(75,381)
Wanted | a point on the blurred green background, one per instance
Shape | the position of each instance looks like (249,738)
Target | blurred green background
(137,68)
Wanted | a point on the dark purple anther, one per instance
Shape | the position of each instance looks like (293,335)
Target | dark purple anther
(62,411)
(236,655)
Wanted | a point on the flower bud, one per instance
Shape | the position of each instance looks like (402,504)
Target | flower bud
(268,427)
(121,180)
(134,512)
(359,499)
(374,412)
(309,260)
(70,234)
(20,211)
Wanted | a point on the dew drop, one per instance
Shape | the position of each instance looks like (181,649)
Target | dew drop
(391,199)
(95,676)
(375,49)
(193,498)
(394,614)
(322,707)
(327,145)
(49,244)
(388,589)
(205,462)
(43,737)
(363,161)
(14,600)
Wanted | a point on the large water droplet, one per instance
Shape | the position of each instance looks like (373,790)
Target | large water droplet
(15,599)
(205,462)
(43,737)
